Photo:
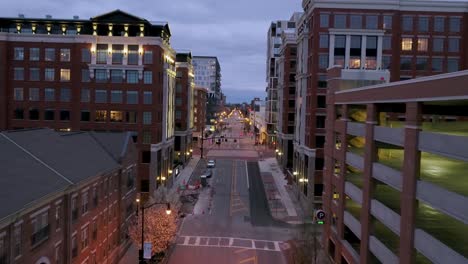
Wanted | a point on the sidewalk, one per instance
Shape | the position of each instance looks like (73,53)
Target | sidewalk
(278,193)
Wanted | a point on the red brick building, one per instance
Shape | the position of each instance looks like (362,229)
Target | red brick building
(113,72)
(69,204)
(409,38)
(184,107)
(199,110)
(393,188)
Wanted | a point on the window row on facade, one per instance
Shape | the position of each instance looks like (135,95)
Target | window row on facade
(100,96)
(408,23)
(116,54)
(100,75)
(115,116)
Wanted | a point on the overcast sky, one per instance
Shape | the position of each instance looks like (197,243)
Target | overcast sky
(234,31)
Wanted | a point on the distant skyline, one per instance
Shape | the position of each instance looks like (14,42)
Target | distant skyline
(234,31)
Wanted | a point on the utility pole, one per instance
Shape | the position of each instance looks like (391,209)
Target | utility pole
(202,138)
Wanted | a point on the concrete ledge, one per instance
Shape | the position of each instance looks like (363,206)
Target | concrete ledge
(352,223)
(435,250)
(355,129)
(354,192)
(394,136)
(453,204)
(379,250)
(387,175)
(444,145)
(386,215)
(355,160)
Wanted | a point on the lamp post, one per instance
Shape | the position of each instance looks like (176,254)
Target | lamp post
(168,211)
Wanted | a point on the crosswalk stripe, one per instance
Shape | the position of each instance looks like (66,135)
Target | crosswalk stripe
(242,243)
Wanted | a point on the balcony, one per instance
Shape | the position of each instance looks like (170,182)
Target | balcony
(40,236)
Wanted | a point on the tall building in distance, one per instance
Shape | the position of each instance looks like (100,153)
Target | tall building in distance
(113,72)
(372,42)
(184,107)
(208,75)
(273,53)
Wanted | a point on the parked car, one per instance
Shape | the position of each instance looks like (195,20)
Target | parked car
(208,173)
(211,164)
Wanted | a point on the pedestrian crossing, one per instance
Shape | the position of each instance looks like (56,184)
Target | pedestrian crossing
(230,242)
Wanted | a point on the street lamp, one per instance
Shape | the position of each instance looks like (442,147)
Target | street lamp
(168,212)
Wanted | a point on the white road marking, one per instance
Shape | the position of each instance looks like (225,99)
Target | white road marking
(186,240)
(197,241)
(231,243)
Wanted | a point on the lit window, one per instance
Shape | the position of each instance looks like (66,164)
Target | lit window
(406,43)
(100,116)
(422,44)
(116,116)
(101,54)
(65,75)
(64,54)
(355,62)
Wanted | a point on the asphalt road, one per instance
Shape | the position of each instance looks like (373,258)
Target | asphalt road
(238,228)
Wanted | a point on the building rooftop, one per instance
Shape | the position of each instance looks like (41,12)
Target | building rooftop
(37,163)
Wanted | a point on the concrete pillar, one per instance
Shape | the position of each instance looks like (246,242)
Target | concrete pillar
(363,51)
(370,156)
(331,51)
(410,173)
(347,51)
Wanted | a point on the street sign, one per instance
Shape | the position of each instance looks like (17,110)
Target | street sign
(320,215)
(147,250)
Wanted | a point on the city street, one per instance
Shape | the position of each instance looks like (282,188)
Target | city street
(236,226)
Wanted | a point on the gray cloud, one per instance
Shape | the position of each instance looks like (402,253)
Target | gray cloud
(234,31)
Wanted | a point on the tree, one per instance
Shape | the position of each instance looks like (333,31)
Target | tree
(160,228)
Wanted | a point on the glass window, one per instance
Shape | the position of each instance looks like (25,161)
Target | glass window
(452,65)
(439,24)
(422,64)
(65,94)
(454,24)
(18,74)
(85,75)
(85,95)
(49,114)
(117,54)
(33,114)
(34,54)
(85,55)
(372,22)
(116,116)
(323,61)
(340,21)
(407,23)
(146,137)
(49,74)
(406,43)
(405,63)
(147,77)
(49,94)
(100,75)
(116,76)
(178,88)
(101,54)
(356,21)
(453,44)
(132,76)
(438,45)
(147,118)
(132,54)
(387,22)
(132,97)
(178,114)
(18,113)
(34,74)
(100,116)
(148,57)
(49,54)
(423,24)
(100,96)
(437,64)
(19,54)
(34,94)
(19,94)
(65,75)
(147,97)
(178,101)
(85,116)
(116,97)
(387,42)
(131,117)
(323,40)
(422,44)
(64,54)
(324,18)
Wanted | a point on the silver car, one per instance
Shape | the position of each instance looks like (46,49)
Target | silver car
(210,164)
